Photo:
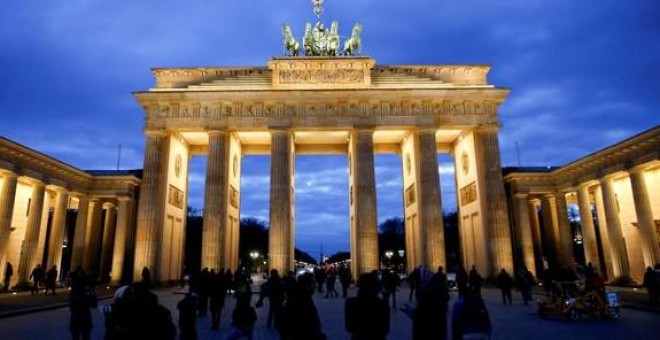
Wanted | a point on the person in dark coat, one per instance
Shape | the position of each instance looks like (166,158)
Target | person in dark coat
(320,276)
(526,282)
(461,280)
(299,318)
(470,317)
(475,280)
(274,290)
(187,317)
(649,284)
(390,282)
(330,280)
(37,276)
(505,284)
(81,303)
(243,319)
(430,316)
(345,279)
(414,283)
(218,292)
(146,276)
(9,271)
(367,316)
(51,279)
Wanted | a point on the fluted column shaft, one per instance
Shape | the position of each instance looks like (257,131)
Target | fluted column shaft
(364,185)
(536,234)
(620,262)
(550,241)
(430,204)
(80,232)
(602,231)
(151,214)
(109,227)
(566,254)
(123,239)
(645,222)
(524,232)
(29,252)
(588,228)
(93,237)
(215,201)
(7,199)
(496,215)
(280,233)
(57,229)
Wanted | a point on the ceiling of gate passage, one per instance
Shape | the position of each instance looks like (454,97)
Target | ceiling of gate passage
(320,142)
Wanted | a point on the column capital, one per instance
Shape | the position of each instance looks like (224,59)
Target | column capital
(124,198)
(7,173)
(364,129)
(155,133)
(216,133)
(488,128)
(34,182)
(58,189)
(534,201)
(521,196)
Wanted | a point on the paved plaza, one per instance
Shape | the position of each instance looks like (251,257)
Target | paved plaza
(509,322)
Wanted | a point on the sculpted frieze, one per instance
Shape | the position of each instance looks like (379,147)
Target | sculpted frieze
(314,77)
(349,109)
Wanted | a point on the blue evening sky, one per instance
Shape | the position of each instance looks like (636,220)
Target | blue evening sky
(583,74)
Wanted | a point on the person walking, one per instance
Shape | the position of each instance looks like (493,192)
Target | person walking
(470,318)
(330,281)
(367,316)
(649,284)
(9,271)
(345,280)
(505,283)
(243,319)
(218,292)
(36,276)
(273,289)
(300,318)
(81,302)
(526,282)
(51,279)
(187,317)
(320,276)
(413,282)
(461,280)
(475,280)
(390,282)
(430,316)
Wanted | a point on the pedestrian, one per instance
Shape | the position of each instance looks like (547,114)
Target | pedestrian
(475,280)
(461,280)
(187,317)
(526,282)
(9,271)
(470,318)
(330,280)
(203,288)
(274,290)
(146,276)
(413,282)
(367,316)
(299,319)
(81,302)
(320,276)
(218,292)
(37,276)
(390,282)
(243,319)
(430,317)
(649,284)
(505,283)
(51,279)
(345,279)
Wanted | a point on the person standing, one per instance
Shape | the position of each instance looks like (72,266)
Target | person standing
(37,276)
(475,280)
(367,316)
(81,303)
(505,283)
(300,318)
(243,319)
(187,317)
(461,280)
(330,280)
(430,316)
(414,282)
(345,279)
(51,279)
(390,281)
(146,276)
(273,289)
(649,284)
(526,283)
(470,318)
(9,271)
(217,298)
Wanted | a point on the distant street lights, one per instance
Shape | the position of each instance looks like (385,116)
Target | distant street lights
(254,255)
(389,255)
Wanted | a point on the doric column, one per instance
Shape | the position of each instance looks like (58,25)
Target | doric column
(536,233)
(123,238)
(602,231)
(80,232)
(151,214)
(587,223)
(550,237)
(566,257)
(620,262)
(364,192)
(496,215)
(29,251)
(524,239)
(649,237)
(108,245)
(57,229)
(280,233)
(7,199)
(93,237)
(430,204)
(215,201)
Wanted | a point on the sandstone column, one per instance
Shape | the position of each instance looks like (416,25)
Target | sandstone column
(523,229)
(215,201)
(123,238)
(550,238)
(93,237)
(566,257)
(536,234)
(280,233)
(648,235)
(57,230)
(29,251)
(619,256)
(108,245)
(151,207)
(496,215)
(430,203)
(602,231)
(364,191)
(587,223)
(80,233)
(7,199)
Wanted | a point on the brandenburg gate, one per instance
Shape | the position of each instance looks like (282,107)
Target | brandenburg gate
(322,105)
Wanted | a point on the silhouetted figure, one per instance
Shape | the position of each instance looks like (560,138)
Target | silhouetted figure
(650,285)
(146,276)
(367,316)
(593,282)
(203,290)
(505,284)
(470,317)
(414,282)
(320,276)
(81,303)
(9,271)
(274,290)
(475,280)
(461,280)
(37,276)
(217,298)
(345,280)
(187,317)
(330,280)
(430,316)
(51,279)
(526,282)
(299,319)
(390,282)
(243,319)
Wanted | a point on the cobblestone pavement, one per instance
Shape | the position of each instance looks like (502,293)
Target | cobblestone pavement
(509,322)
